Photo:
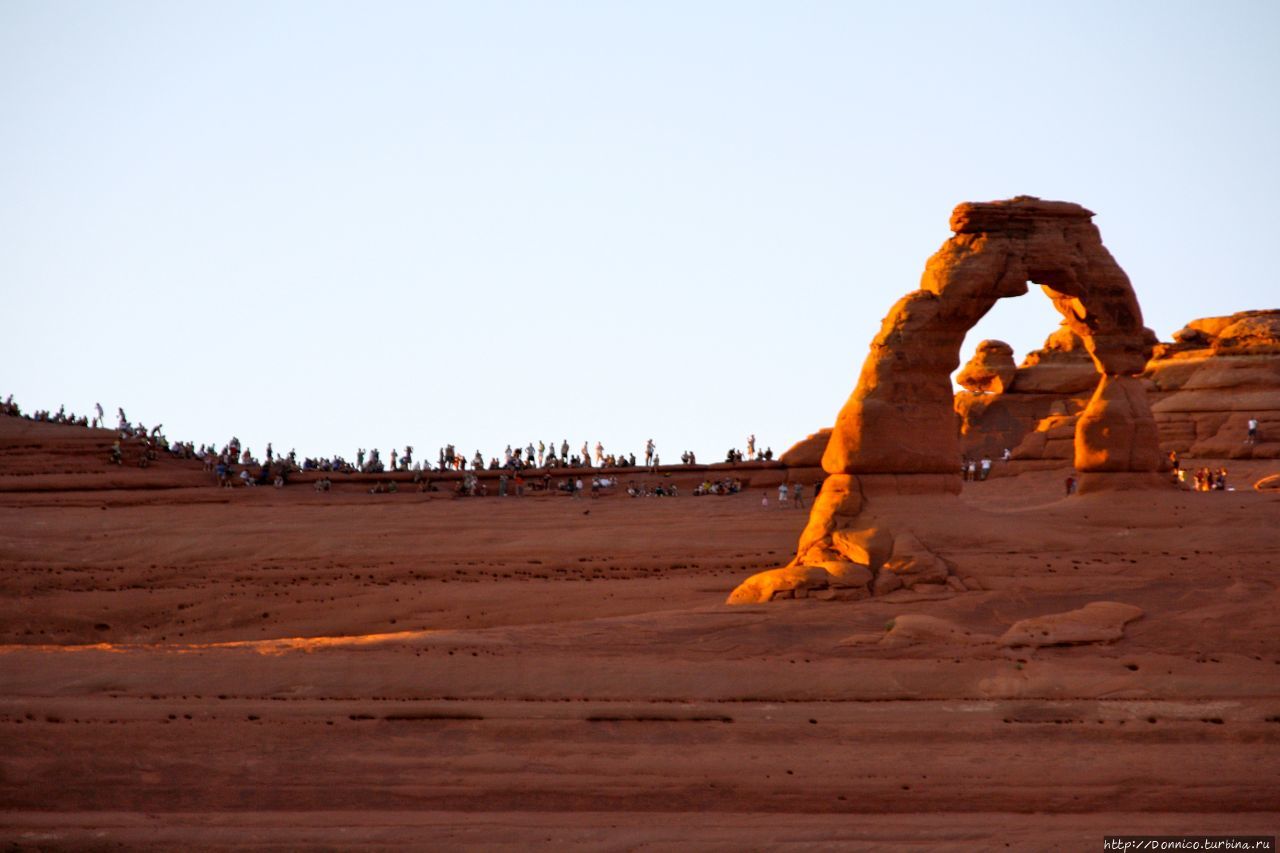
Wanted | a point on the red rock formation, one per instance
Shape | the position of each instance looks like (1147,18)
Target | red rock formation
(1219,373)
(901,420)
(1244,333)
(1055,380)
(1096,622)
(1203,388)
(1116,432)
(1062,366)
(807,452)
(991,369)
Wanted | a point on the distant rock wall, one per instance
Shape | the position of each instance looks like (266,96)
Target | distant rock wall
(1203,388)
(1217,374)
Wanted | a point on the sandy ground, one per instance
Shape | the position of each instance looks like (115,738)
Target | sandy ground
(184,667)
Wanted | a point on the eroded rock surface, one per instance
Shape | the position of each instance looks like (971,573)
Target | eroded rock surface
(912,628)
(1116,432)
(991,369)
(1096,622)
(1219,373)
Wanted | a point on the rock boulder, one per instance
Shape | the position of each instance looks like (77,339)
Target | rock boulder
(1096,622)
(991,369)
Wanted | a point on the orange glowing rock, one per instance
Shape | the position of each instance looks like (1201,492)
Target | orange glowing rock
(901,418)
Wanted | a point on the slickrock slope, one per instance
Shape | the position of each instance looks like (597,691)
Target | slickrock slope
(195,668)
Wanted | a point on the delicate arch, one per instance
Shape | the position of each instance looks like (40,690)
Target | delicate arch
(901,419)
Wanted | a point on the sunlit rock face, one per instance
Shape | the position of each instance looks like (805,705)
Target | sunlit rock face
(807,452)
(901,419)
(900,423)
(1217,375)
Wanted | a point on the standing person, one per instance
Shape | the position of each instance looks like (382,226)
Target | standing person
(751,446)
(98,408)
(542,448)
(599,454)
(1071,484)
(1253,431)
(577,488)
(648,452)
(782,496)
(986,467)
(586,455)
(797,495)
(564,451)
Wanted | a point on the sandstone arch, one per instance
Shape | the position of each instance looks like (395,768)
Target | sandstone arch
(900,420)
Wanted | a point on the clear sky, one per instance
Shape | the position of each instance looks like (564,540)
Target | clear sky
(342,225)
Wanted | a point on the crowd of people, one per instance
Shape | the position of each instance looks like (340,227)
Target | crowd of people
(1203,479)
(726,486)
(232,464)
(1209,480)
(978,468)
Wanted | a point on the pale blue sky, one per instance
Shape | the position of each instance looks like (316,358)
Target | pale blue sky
(340,225)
